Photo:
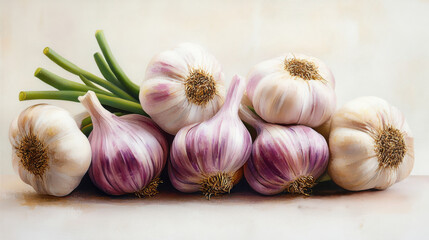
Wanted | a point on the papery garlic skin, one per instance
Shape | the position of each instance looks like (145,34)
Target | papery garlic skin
(356,157)
(128,152)
(172,93)
(281,96)
(214,149)
(58,154)
(284,158)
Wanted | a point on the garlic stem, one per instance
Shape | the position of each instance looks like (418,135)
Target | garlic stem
(87,129)
(70,67)
(114,102)
(251,118)
(64,84)
(86,121)
(87,82)
(234,95)
(116,69)
(106,71)
(94,107)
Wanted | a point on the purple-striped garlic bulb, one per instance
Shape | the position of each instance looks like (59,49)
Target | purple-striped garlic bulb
(182,86)
(292,89)
(128,152)
(208,156)
(284,158)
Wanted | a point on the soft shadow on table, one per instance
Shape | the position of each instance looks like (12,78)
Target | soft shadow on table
(87,193)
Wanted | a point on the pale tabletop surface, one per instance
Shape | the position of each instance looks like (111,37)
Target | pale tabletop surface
(331,213)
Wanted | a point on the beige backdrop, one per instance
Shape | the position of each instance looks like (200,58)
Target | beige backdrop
(373,47)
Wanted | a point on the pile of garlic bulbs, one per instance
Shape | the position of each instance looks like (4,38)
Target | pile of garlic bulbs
(183,118)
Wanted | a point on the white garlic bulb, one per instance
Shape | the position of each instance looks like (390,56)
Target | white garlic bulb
(292,89)
(371,145)
(181,87)
(49,151)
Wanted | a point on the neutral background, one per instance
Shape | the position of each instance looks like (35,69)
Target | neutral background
(376,48)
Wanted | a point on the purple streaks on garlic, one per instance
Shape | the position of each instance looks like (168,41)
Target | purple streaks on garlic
(128,152)
(284,158)
(205,156)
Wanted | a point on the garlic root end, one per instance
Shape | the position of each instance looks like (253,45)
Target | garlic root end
(217,184)
(301,185)
(150,190)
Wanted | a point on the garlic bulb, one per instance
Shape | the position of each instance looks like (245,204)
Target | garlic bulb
(284,158)
(49,151)
(207,156)
(371,145)
(292,89)
(181,87)
(128,152)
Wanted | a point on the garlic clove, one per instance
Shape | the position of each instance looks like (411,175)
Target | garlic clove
(55,183)
(65,157)
(348,177)
(164,89)
(352,143)
(167,64)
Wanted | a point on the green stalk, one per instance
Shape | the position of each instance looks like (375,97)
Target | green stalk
(106,71)
(87,82)
(87,129)
(64,84)
(70,67)
(114,102)
(86,121)
(116,69)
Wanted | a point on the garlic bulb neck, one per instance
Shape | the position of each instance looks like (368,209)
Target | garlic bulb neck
(200,87)
(233,97)
(390,147)
(217,184)
(302,68)
(251,118)
(95,109)
(150,190)
(301,185)
(33,155)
